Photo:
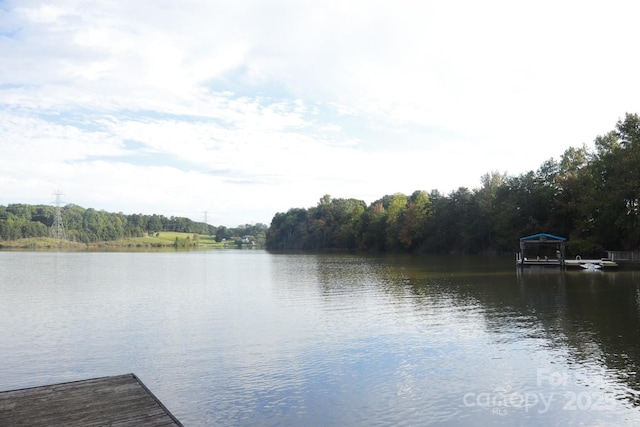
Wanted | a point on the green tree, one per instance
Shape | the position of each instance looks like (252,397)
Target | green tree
(617,179)
(412,221)
(154,224)
(222,233)
(487,209)
(574,201)
(347,223)
(373,227)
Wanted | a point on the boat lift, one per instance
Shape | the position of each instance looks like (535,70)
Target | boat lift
(546,257)
(545,243)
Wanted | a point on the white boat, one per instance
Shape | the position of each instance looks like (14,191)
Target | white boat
(591,266)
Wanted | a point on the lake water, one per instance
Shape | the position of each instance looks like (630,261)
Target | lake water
(250,338)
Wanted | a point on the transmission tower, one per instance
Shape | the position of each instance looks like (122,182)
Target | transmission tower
(206,225)
(57,229)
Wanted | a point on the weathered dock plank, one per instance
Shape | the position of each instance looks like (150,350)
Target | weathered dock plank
(121,400)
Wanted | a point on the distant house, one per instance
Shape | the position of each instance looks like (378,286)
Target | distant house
(248,240)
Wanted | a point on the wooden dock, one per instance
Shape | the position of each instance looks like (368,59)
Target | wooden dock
(550,253)
(569,264)
(121,400)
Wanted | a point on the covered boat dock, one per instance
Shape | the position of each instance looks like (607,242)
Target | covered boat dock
(544,250)
(541,250)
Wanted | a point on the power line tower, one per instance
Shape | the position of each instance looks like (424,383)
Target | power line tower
(57,229)
(206,223)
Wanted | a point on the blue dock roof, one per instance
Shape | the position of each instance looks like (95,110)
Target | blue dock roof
(544,237)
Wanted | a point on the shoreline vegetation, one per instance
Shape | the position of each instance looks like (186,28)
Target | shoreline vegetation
(590,196)
(24,226)
(159,240)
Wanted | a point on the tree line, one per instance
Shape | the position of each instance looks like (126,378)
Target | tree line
(590,196)
(19,221)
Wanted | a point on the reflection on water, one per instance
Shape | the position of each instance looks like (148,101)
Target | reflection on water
(252,338)
(596,317)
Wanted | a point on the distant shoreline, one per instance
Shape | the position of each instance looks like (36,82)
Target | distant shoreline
(162,240)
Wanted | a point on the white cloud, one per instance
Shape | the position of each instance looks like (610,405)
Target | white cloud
(244,108)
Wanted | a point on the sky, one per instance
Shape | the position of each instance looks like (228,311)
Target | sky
(245,108)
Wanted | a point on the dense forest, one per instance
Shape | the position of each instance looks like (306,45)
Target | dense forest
(19,221)
(590,196)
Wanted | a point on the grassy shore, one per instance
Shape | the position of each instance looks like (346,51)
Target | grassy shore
(159,240)
(41,243)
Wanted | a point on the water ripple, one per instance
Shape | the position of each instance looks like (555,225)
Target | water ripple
(239,338)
